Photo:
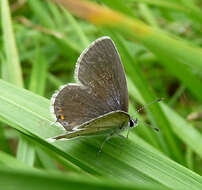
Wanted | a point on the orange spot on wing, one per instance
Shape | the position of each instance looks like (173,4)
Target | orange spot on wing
(62,117)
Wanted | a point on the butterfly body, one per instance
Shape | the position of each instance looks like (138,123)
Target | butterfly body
(98,103)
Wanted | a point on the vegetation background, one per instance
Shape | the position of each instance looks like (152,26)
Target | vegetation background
(160,45)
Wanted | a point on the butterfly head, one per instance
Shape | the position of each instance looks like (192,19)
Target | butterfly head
(133,122)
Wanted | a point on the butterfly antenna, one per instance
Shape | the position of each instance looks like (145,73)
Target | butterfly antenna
(145,106)
(154,128)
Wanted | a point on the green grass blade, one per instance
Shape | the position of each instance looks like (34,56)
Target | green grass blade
(16,179)
(121,6)
(12,64)
(37,84)
(189,158)
(77,28)
(46,160)
(10,162)
(164,4)
(38,7)
(55,81)
(58,18)
(176,96)
(184,130)
(26,151)
(12,72)
(142,163)
(39,74)
(3,141)
(147,15)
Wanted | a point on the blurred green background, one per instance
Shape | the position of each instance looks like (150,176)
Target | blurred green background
(160,46)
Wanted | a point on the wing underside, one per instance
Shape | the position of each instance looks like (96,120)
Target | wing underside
(110,123)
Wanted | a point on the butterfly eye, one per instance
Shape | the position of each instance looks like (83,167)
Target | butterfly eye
(133,122)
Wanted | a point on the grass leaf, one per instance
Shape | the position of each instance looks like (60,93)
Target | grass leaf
(142,163)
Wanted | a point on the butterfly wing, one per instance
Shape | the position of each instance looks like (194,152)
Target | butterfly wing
(110,123)
(101,86)
(75,104)
(100,69)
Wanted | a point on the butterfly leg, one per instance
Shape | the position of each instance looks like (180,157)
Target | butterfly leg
(122,136)
(128,132)
(101,147)
(122,143)
(53,123)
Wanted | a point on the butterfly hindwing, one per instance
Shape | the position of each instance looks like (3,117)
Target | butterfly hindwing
(75,104)
(110,123)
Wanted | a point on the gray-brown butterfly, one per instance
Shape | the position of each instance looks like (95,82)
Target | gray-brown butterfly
(98,103)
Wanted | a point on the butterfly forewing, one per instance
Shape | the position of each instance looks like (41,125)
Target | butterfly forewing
(100,69)
(101,86)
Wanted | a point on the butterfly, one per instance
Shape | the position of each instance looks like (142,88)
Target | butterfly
(98,103)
